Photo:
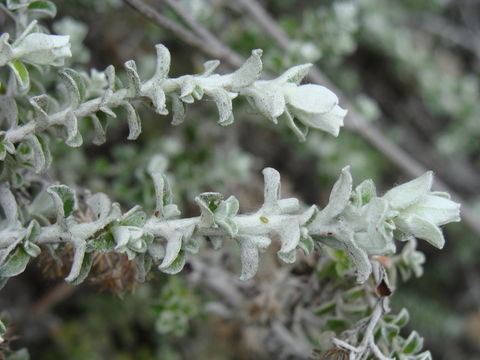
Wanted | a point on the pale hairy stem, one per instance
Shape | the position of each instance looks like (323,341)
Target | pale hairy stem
(92,106)
(247,225)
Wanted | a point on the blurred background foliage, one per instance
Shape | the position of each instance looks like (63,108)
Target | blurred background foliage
(410,67)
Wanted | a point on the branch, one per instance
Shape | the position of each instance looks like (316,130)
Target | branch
(357,123)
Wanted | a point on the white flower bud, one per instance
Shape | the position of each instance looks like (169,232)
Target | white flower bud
(421,211)
(43,49)
(315,106)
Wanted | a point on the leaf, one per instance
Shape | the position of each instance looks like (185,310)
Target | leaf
(339,196)
(208,202)
(295,74)
(325,308)
(163,61)
(79,266)
(413,344)
(337,324)
(289,233)
(402,318)
(156,250)
(248,72)
(38,154)
(74,138)
(21,74)
(288,257)
(144,264)
(191,245)
(15,264)
(134,82)
(365,192)
(134,217)
(426,355)
(100,205)
(75,86)
(224,105)
(266,98)
(3,282)
(104,243)
(43,139)
(44,8)
(84,270)
(343,239)
(306,244)
(99,125)
(9,204)
(209,67)
(163,192)
(64,200)
(33,231)
(299,129)
(8,112)
(389,332)
(172,249)
(187,87)
(176,266)
(224,213)
(178,110)
(134,123)
(272,187)
(17,4)
(249,256)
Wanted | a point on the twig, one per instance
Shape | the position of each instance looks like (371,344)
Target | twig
(368,342)
(208,44)
(168,24)
(52,298)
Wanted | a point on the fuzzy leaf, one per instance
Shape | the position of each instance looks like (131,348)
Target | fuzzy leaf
(248,72)
(172,249)
(224,105)
(9,204)
(21,74)
(8,112)
(84,270)
(177,265)
(178,110)
(134,82)
(99,129)
(39,160)
(15,264)
(64,200)
(43,8)
(163,61)
(81,263)
(249,256)
(134,124)
(339,196)
(413,344)
(272,187)
(74,138)
(75,85)
(295,74)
